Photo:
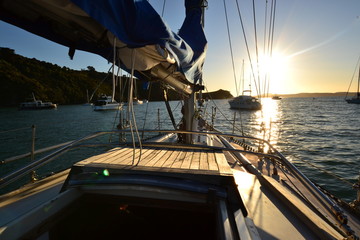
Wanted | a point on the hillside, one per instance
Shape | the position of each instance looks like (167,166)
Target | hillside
(21,76)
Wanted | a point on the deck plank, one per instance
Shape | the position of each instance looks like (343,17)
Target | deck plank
(167,159)
(153,161)
(128,159)
(187,160)
(169,162)
(120,156)
(179,160)
(224,167)
(100,157)
(212,162)
(195,161)
(148,157)
(204,164)
(164,159)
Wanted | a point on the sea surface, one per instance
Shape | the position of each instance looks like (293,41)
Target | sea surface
(321,136)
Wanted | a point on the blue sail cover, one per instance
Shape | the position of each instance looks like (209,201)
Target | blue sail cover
(134,22)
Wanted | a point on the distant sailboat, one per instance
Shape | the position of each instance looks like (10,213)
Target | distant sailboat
(107,102)
(88,103)
(355,99)
(245,101)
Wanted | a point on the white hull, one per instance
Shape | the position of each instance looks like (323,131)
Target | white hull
(106,103)
(37,105)
(108,106)
(245,102)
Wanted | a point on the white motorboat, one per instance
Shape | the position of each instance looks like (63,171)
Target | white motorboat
(36,104)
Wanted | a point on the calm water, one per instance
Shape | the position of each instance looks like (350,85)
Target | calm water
(321,136)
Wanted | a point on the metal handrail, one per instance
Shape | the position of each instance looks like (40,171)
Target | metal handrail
(13,176)
(6,180)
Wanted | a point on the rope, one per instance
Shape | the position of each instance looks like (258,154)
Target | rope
(131,109)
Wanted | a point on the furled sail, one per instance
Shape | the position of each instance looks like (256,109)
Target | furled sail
(142,39)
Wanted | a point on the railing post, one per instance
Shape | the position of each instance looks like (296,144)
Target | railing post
(233,130)
(32,156)
(357,186)
(213,114)
(158,114)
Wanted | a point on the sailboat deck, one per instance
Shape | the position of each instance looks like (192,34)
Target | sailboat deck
(206,162)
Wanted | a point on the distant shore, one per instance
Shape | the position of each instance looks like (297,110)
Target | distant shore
(304,95)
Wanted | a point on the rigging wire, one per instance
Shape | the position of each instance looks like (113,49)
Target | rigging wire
(247,44)
(146,111)
(353,76)
(97,87)
(230,45)
(163,8)
(270,42)
(117,114)
(326,171)
(266,85)
(228,120)
(257,50)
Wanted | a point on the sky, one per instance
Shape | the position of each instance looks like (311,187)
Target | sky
(316,45)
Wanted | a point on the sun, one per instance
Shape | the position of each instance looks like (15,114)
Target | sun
(274,69)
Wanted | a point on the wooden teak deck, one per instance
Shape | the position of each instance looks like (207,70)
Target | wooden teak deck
(201,165)
(151,159)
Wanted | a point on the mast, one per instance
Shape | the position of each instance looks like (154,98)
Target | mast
(204,4)
(189,103)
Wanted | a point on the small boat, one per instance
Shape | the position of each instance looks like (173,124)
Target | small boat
(355,99)
(135,102)
(35,104)
(246,102)
(106,103)
(276,97)
(138,101)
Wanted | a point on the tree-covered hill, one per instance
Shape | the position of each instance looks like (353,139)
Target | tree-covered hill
(21,76)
